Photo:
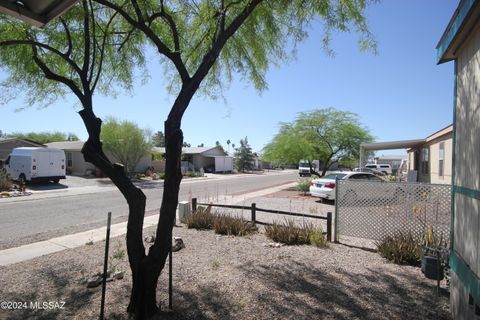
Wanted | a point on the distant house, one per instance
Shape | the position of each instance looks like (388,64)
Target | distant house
(76,164)
(210,159)
(432,160)
(8,144)
(395,161)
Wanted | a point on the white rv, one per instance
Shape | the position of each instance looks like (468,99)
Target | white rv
(36,164)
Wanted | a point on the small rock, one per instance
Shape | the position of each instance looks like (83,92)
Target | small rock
(150,239)
(118,275)
(178,244)
(94,281)
(273,245)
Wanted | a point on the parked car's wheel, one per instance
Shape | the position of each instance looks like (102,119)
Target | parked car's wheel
(56,180)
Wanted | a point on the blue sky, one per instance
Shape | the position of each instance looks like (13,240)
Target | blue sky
(399,94)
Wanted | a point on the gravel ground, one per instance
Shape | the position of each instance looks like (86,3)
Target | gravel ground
(221,277)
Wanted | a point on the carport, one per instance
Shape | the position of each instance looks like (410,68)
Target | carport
(388,145)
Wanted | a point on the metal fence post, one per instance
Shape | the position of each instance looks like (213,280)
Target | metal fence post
(105,266)
(336,210)
(170,279)
(254,212)
(329,226)
(194,205)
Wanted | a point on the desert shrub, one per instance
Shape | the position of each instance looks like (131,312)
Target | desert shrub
(303,185)
(317,238)
(236,226)
(289,233)
(5,183)
(401,248)
(192,174)
(201,219)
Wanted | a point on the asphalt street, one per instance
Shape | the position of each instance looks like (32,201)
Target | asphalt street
(65,210)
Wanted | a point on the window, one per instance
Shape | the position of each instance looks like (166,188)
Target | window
(69,159)
(360,176)
(424,165)
(441,159)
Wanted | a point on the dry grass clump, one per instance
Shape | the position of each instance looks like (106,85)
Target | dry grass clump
(201,219)
(204,219)
(292,234)
(235,226)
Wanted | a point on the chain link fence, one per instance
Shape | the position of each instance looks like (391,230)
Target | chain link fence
(372,210)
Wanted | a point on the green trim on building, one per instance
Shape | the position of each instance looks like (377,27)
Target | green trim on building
(454,137)
(471,193)
(453,28)
(469,279)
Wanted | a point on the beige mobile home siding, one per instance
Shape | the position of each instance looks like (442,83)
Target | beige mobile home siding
(467,150)
(447,162)
(79,166)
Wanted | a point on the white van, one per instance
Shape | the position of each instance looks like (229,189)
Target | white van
(36,164)
(304,167)
(384,168)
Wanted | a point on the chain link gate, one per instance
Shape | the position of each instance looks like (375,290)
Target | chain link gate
(372,210)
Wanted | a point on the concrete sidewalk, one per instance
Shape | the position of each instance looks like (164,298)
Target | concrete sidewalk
(33,250)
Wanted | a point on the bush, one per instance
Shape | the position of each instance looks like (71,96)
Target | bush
(291,234)
(303,185)
(236,226)
(317,238)
(192,174)
(402,248)
(5,183)
(201,219)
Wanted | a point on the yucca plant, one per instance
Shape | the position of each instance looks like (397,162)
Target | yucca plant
(201,219)
(402,248)
(236,226)
(289,232)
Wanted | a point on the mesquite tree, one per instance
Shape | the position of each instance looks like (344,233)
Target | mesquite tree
(329,135)
(201,44)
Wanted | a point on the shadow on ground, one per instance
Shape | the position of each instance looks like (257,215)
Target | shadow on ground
(46,186)
(300,291)
(61,303)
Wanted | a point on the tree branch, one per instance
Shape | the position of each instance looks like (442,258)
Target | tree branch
(49,74)
(86,37)
(94,43)
(43,46)
(219,42)
(162,48)
(69,37)
(171,23)
(102,53)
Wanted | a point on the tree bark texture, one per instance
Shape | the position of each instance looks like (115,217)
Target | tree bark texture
(136,200)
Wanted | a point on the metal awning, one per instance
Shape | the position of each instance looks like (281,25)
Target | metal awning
(389,145)
(35,12)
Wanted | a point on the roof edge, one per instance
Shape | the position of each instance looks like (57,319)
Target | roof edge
(456,24)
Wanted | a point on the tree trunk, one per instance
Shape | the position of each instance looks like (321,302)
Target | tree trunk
(136,199)
(143,299)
